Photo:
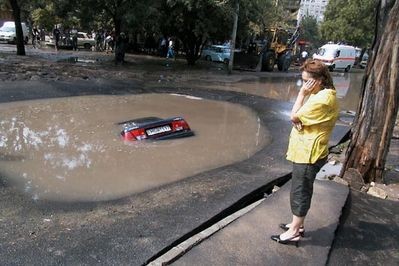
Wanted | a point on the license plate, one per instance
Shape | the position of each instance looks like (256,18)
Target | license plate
(157,130)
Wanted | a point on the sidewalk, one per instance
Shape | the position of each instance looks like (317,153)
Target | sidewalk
(246,241)
(343,228)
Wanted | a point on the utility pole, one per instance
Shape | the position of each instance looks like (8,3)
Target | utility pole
(233,36)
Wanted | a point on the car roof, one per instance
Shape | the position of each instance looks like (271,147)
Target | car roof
(336,46)
(221,46)
(217,46)
(8,23)
(11,24)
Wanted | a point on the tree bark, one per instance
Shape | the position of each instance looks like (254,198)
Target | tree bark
(192,45)
(18,28)
(378,107)
(234,36)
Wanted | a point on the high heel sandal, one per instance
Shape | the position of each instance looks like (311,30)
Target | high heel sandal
(286,228)
(289,241)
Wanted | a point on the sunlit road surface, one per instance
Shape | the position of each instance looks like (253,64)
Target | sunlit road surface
(132,229)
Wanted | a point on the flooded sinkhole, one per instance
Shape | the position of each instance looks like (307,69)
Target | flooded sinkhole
(347,85)
(69,149)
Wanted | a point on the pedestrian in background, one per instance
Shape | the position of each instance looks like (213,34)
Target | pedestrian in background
(304,56)
(35,37)
(313,121)
(170,53)
(163,47)
(99,40)
(74,33)
(56,36)
(109,42)
(42,35)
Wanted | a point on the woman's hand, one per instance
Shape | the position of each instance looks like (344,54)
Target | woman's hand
(308,87)
(298,125)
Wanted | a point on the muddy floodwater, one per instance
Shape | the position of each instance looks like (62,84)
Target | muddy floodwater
(69,149)
(348,87)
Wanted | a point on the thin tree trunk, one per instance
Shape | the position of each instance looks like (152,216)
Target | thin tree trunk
(377,111)
(233,36)
(18,28)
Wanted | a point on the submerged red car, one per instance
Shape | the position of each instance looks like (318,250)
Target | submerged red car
(155,128)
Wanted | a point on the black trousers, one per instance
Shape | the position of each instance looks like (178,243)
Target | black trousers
(303,176)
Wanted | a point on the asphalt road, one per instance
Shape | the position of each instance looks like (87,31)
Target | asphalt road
(133,229)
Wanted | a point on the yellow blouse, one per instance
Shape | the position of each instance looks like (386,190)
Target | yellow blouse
(318,116)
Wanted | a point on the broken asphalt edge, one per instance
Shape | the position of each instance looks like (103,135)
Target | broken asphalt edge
(216,223)
(182,245)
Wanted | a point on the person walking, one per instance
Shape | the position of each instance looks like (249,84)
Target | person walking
(42,35)
(35,38)
(74,33)
(304,56)
(163,47)
(313,121)
(170,53)
(56,36)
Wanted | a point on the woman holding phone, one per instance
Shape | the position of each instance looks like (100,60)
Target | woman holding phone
(313,117)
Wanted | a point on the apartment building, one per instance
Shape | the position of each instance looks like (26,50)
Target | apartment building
(313,8)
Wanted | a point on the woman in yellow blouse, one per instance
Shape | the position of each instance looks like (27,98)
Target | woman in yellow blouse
(313,121)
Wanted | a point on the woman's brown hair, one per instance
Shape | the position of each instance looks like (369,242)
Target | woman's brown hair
(318,71)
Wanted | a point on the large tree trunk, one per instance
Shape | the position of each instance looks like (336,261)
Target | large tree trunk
(377,111)
(18,28)
(192,46)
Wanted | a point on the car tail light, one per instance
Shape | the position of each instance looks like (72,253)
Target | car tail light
(179,125)
(135,134)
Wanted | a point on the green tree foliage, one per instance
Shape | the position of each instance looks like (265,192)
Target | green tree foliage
(44,16)
(350,21)
(258,15)
(310,30)
(193,22)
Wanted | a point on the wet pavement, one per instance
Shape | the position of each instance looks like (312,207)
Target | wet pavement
(246,241)
(135,227)
(49,65)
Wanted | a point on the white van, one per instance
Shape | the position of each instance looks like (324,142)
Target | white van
(8,35)
(337,56)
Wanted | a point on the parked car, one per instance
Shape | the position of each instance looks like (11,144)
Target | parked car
(364,61)
(84,41)
(155,128)
(8,34)
(216,53)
